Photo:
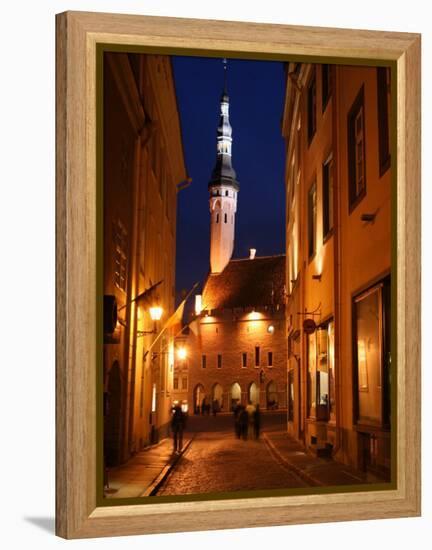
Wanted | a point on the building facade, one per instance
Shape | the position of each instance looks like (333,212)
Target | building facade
(236,347)
(336,124)
(143,165)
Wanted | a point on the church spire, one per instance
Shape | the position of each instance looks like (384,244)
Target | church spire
(223,172)
(223,187)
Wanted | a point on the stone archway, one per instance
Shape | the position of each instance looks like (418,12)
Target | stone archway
(198,397)
(254,393)
(272,397)
(235,395)
(217,396)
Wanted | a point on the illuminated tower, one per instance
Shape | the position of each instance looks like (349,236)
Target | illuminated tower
(223,188)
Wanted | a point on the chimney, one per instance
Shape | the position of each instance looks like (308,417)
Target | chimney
(252,252)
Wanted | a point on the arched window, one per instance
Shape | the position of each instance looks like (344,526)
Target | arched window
(272,395)
(254,394)
(217,397)
(235,395)
(198,398)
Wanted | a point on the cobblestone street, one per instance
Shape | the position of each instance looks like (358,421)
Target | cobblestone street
(217,461)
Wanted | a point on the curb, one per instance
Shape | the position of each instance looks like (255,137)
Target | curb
(298,471)
(154,487)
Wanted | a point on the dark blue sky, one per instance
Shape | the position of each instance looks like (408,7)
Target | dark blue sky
(256,90)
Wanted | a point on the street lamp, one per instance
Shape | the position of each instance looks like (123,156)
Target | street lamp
(155,313)
(182,353)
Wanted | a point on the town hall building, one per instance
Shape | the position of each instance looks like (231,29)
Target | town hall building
(235,340)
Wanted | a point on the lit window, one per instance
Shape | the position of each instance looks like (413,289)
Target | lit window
(356,151)
(312,225)
(327,174)
(371,355)
(321,387)
(153,405)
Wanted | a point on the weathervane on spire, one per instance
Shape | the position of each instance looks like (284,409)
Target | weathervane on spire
(224,61)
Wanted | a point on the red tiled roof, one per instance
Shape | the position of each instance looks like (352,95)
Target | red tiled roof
(247,283)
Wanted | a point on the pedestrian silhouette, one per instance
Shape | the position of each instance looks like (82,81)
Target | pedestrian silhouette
(237,428)
(244,421)
(257,422)
(178,421)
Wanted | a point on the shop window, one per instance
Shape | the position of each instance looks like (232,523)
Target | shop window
(311,371)
(321,387)
(327,211)
(384,109)
(154,399)
(291,396)
(356,151)
(312,225)
(371,355)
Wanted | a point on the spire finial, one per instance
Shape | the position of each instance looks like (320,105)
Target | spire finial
(224,61)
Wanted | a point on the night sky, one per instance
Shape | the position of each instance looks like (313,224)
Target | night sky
(256,91)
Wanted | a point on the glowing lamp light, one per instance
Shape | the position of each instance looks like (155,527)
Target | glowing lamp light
(270,329)
(182,354)
(254,315)
(156,313)
(198,304)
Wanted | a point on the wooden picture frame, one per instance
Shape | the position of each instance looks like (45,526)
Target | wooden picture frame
(78,35)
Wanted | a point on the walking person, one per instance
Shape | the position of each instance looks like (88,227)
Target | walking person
(257,422)
(250,409)
(244,421)
(237,411)
(177,426)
